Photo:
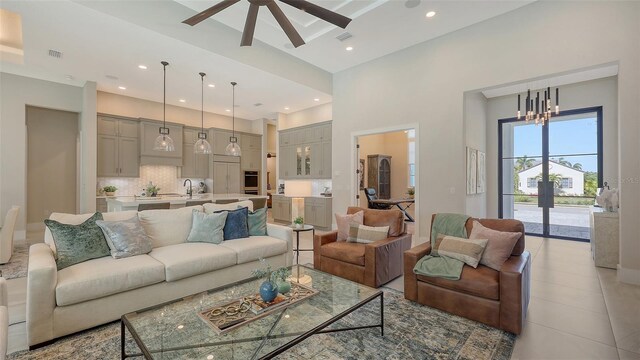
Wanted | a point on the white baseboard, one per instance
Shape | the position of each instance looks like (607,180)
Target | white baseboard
(629,276)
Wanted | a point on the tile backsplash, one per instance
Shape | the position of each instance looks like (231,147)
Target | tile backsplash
(165,177)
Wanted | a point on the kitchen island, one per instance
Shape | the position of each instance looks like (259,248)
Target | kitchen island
(123,203)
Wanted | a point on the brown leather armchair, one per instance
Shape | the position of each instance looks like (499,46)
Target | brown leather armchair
(496,298)
(373,264)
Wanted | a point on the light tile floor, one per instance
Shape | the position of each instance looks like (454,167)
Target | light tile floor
(577,311)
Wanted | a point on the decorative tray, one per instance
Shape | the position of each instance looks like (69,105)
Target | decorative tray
(230,316)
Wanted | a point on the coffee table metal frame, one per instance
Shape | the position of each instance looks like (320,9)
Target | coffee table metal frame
(320,329)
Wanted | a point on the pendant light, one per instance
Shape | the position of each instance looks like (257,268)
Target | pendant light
(233,149)
(163,141)
(543,112)
(202,146)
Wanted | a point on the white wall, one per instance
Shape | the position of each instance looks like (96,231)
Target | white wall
(426,83)
(475,134)
(16,93)
(307,116)
(601,92)
(115,104)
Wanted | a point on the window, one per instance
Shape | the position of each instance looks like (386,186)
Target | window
(532,183)
(411,136)
(566,183)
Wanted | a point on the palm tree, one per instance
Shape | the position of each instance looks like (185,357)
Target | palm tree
(564,162)
(577,166)
(523,163)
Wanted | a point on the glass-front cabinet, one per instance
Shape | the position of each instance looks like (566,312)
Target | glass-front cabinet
(303,161)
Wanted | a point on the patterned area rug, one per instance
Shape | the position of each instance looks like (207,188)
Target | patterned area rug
(412,331)
(18,264)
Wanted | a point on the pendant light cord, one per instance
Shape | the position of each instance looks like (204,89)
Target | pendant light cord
(202,75)
(164,94)
(233,110)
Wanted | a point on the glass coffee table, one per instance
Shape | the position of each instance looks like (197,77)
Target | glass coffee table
(174,330)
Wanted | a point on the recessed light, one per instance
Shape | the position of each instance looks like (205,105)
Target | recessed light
(182,100)
(431,14)
(180,327)
(122,88)
(211,85)
(349,48)
(286,108)
(227,110)
(316,99)
(210,357)
(143,67)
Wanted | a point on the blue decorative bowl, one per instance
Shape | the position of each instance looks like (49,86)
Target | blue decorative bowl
(268,291)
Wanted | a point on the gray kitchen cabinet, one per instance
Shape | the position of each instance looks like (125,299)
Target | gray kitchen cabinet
(193,165)
(226,178)
(220,140)
(118,147)
(317,211)
(281,208)
(149,131)
(251,158)
(305,153)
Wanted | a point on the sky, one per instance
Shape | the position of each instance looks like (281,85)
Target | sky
(568,137)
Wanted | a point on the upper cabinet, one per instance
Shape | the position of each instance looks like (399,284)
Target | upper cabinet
(118,147)
(193,165)
(305,152)
(251,146)
(149,131)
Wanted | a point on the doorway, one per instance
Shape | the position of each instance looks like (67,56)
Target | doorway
(385,161)
(52,160)
(549,174)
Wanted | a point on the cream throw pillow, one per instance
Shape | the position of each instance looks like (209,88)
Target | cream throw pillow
(343,222)
(367,234)
(469,251)
(499,247)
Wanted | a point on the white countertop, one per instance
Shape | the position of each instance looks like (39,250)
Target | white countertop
(312,196)
(178,199)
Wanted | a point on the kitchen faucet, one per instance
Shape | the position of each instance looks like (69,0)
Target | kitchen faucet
(190,190)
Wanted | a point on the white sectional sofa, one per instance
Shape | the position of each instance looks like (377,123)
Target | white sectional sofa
(101,290)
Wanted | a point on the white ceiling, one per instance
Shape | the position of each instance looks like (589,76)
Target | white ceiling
(111,38)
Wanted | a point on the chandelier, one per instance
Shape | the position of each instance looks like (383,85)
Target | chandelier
(539,109)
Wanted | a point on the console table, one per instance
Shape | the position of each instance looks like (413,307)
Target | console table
(605,238)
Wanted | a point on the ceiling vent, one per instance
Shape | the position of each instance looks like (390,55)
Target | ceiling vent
(55,53)
(112,77)
(344,36)
(257,104)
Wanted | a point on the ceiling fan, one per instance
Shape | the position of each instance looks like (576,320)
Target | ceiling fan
(285,24)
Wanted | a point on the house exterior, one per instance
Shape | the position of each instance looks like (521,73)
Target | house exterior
(572,182)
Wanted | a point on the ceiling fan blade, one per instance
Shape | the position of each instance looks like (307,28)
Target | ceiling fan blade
(285,24)
(209,12)
(318,11)
(250,25)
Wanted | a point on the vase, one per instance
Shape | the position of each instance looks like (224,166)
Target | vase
(154,194)
(268,291)
(109,193)
(284,287)
(299,226)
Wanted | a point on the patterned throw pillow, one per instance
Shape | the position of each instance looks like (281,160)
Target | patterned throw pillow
(78,243)
(367,234)
(499,247)
(258,222)
(125,238)
(343,222)
(207,228)
(469,251)
(237,224)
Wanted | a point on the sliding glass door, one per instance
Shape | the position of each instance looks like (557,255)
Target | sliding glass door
(549,174)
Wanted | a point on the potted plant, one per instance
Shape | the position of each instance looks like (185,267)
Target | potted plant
(298,222)
(280,277)
(268,289)
(411,191)
(109,190)
(152,190)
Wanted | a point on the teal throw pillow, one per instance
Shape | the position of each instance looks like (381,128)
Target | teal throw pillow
(258,222)
(207,228)
(236,226)
(125,238)
(78,243)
